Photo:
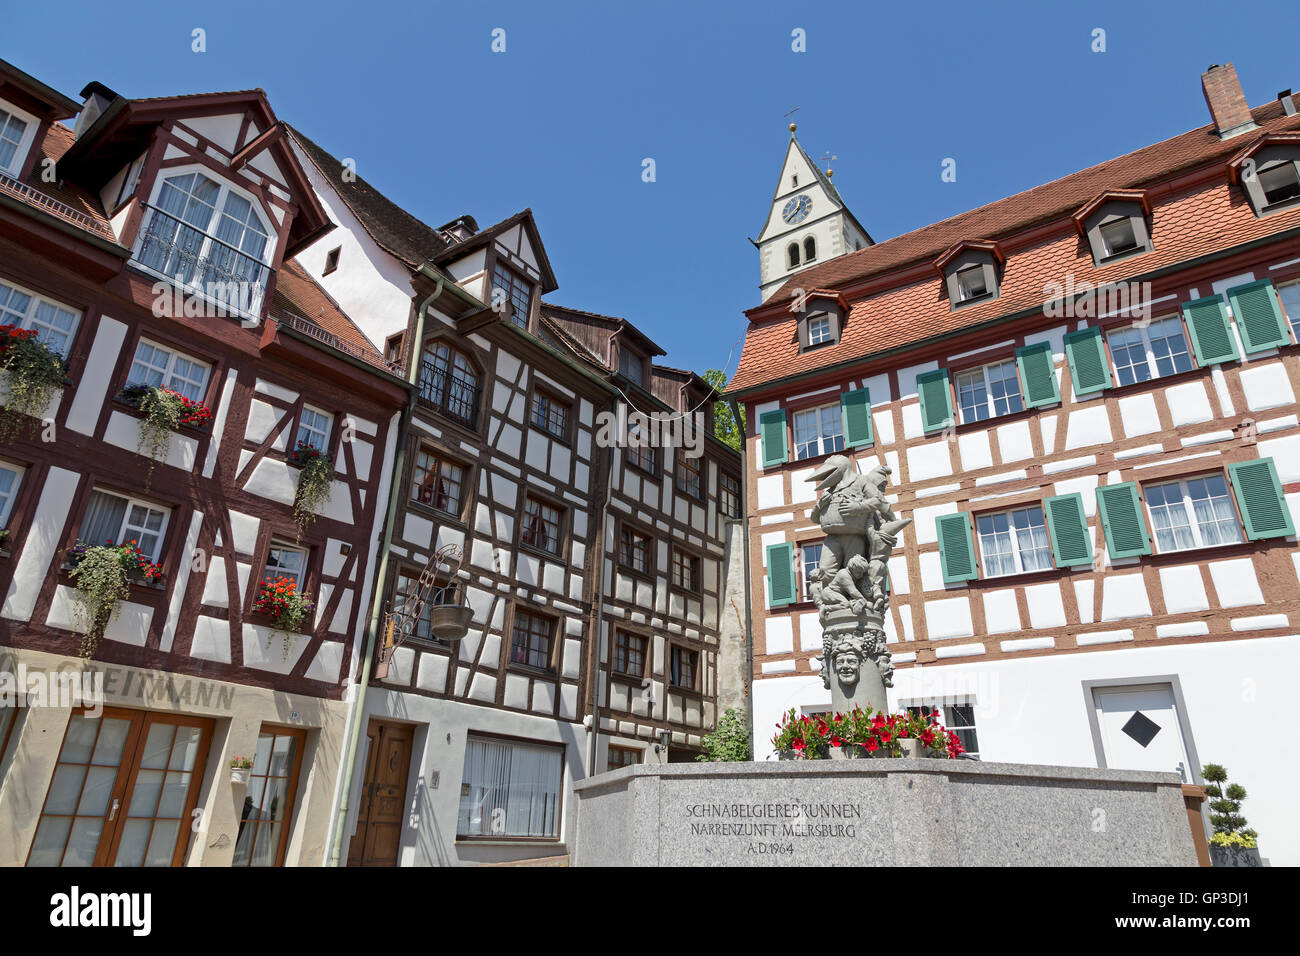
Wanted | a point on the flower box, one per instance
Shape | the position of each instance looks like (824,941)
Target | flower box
(239,775)
(192,414)
(865,733)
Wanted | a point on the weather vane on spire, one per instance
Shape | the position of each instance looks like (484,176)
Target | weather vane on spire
(827,159)
(792,111)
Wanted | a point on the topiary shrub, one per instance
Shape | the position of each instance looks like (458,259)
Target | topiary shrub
(1225,808)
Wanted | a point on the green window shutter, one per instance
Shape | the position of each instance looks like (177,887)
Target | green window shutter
(1089,367)
(1259,316)
(1121,519)
(780,575)
(1067,523)
(936,400)
(956,549)
(1259,493)
(771,427)
(856,408)
(1212,338)
(1038,375)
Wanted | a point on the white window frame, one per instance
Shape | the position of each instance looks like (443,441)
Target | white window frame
(225,188)
(25,144)
(945,717)
(28,318)
(1018,548)
(1189,512)
(819,330)
(1291,309)
(990,403)
(824,443)
(966,294)
(283,571)
(1144,331)
(323,447)
(810,556)
(7,498)
(485,805)
(169,373)
(124,529)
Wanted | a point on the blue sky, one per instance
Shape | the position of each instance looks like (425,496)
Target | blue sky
(562,120)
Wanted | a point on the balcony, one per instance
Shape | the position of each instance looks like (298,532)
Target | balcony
(450,394)
(232,282)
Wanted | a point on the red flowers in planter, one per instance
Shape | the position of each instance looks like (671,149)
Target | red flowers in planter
(281,601)
(878,733)
(10,334)
(192,413)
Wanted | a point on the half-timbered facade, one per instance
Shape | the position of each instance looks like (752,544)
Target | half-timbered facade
(152,245)
(1086,395)
(506,456)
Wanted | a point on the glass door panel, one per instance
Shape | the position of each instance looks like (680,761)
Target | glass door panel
(270,798)
(122,790)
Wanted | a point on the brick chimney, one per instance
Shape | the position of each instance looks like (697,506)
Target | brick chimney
(1226,101)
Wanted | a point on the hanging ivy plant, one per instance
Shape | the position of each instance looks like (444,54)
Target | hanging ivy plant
(314,479)
(33,373)
(164,411)
(102,575)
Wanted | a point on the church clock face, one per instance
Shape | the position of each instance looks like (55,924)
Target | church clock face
(797,209)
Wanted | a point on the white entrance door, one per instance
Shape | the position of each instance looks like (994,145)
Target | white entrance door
(1140,729)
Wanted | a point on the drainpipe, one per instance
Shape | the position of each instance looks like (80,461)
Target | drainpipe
(593,668)
(749,588)
(353,735)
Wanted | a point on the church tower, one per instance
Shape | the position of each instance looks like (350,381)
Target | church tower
(807,224)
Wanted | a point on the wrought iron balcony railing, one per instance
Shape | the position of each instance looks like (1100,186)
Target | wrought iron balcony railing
(453,395)
(175,250)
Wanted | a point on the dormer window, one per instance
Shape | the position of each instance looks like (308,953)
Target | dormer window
(16,133)
(970,271)
(819,329)
(204,235)
(1279,183)
(516,290)
(971,284)
(630,365)
(1115,224)
(1117,237)
(1268,172)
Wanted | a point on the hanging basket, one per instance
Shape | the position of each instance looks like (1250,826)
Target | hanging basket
(450,622)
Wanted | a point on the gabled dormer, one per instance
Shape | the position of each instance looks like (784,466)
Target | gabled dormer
(971,271)
(504,265)
(1268,172)
(27,108)
(1116,224)
(204,190)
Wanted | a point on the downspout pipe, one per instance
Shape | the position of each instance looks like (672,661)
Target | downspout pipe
(598,599)
(353,737)
(742,431)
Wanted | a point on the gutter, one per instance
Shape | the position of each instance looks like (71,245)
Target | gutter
(860,360)
(352,735)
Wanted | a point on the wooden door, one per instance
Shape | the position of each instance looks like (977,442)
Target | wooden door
(124,790)
(382,809)
(1140,729)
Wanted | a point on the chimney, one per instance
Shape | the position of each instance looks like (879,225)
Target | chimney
(1288,103)
(1227,103)
(98,98)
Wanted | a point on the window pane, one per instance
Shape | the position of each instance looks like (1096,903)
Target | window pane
(972,396)
(510,789)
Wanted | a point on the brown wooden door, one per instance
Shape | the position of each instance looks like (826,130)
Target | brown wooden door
(382,808)
(124,790)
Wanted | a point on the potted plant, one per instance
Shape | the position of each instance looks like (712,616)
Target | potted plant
(240,767)
(863,733)
(163,410)
(102,575)
(1233,843)
(284,604)
(32,373)
(314,480)
(801,738)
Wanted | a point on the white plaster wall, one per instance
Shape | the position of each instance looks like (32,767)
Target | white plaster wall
(1034,711)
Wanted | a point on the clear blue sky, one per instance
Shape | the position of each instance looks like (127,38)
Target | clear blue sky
(584,92)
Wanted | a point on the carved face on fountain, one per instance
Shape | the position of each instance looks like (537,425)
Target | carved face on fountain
(848,667)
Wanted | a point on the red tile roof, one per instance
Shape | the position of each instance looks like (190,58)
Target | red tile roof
(63,201)
(298,295)
(1210,218)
